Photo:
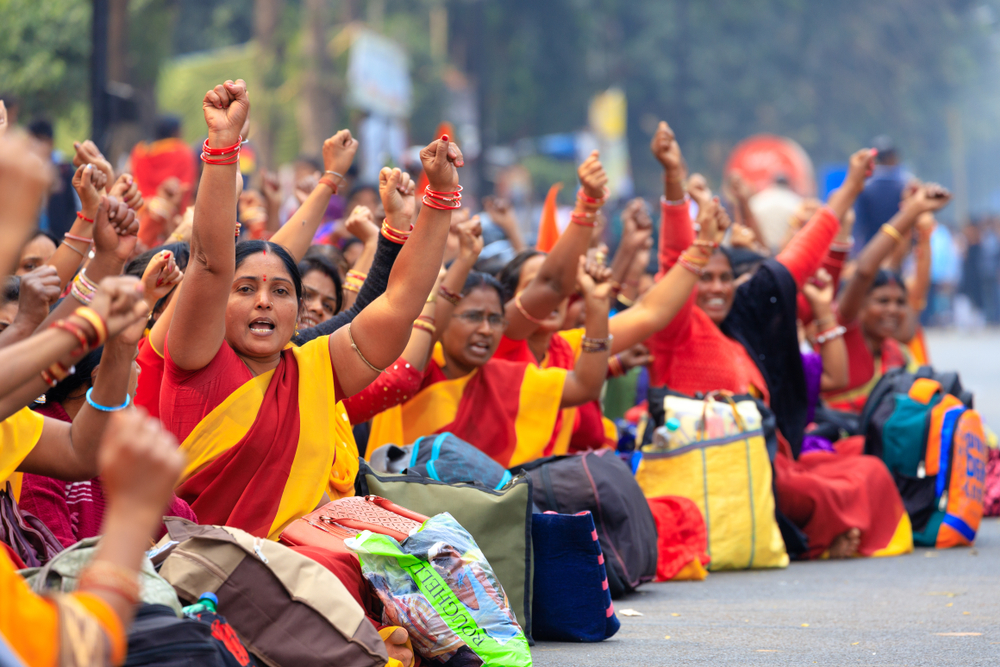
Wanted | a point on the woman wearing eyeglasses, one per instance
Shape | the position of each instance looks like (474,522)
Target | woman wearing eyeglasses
(508,409)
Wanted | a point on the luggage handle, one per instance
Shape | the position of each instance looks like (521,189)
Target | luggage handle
(710,398)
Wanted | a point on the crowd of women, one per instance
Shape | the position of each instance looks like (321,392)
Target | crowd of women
(253,357)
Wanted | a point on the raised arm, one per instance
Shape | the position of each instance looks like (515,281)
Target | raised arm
(830,337)
(297,234)
(556,279)
(378,335)
(583,383)
(24,179)
(72,252)
(930,197)
(501,212)
(38,291)
(637,233)
(657,308)
(921,284)
(198,327)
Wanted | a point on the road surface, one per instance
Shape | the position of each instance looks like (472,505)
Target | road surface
(927,608)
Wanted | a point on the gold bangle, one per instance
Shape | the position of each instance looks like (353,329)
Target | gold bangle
(891,231)
(424,326)
(93,319)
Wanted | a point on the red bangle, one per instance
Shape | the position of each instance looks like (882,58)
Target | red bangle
(328,182)
(586,199)
(208,150)
(80,215)
(394,235)
(521,309)
(77,331)
(445,195)
(582,220)
(455,204)
(233,159)
(449,296)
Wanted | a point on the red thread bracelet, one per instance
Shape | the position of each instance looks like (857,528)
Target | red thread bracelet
(80,215)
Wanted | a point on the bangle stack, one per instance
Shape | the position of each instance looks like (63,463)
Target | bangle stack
(425,323)
(393,234)
(585,213)
(615,367)
(449,296)
(891,231)
(354,281)
(221,156)
(696,257)
(443,201)
(831,334)
(683,201)
(83,289)
(121,581)
(88,341)
(521,309)
(596,344)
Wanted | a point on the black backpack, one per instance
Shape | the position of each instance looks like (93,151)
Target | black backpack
(881,401)
(159,638)
(601,483)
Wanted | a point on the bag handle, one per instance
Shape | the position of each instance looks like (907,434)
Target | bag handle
(726,396)
(923,390)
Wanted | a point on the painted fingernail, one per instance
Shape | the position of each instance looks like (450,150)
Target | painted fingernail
(444,137)
(460,163)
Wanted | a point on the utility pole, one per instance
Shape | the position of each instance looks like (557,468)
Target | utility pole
(100,109)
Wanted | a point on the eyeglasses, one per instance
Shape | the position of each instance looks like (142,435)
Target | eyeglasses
(476,317)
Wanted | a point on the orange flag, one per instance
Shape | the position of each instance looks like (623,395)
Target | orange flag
(443,129)
(548,229)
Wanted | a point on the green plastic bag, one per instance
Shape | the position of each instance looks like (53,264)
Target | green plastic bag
(439,574)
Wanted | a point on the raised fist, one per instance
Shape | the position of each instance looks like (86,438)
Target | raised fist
(666,150)
(88,183)
(440,160)
(592,176)
(394,187)
(860,167)
(338,152)
(226,108)
(127,190)
(87,152)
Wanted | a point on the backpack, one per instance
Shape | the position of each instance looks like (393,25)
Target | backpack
(158,637)
(289,610)
(924,428)
(599,482)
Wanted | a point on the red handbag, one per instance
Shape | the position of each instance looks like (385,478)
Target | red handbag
(330,525)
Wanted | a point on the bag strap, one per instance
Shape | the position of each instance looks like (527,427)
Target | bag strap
(550,494)
(923,390)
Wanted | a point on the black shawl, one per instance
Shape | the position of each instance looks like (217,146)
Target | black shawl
(763,320)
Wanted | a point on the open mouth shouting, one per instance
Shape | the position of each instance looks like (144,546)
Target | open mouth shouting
(262,326)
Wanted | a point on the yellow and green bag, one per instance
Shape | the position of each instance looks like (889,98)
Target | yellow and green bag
(717,457)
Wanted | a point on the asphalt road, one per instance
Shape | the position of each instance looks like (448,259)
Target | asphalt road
(927,608)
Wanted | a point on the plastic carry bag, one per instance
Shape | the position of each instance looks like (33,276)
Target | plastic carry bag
(438,585)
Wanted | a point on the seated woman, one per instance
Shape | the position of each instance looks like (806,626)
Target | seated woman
(745,341)
(262,422)
(538,307)
(508,409)
(873,306)
(74,511)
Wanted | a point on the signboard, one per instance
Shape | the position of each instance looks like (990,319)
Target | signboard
(378,76)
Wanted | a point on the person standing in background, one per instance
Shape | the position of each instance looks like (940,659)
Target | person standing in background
(59,210)
(168,157)
(879,201)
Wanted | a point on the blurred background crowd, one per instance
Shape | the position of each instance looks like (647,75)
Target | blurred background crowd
(775,92)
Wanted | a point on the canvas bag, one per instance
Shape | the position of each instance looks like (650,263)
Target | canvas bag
(571,600)
(719,460)
(600,483)
(287,609)
(62,572)
(499,521)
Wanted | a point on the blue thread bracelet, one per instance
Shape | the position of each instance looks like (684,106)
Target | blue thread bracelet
(104,408)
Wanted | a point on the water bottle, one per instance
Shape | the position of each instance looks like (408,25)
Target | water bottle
(207,602)
(664,437)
